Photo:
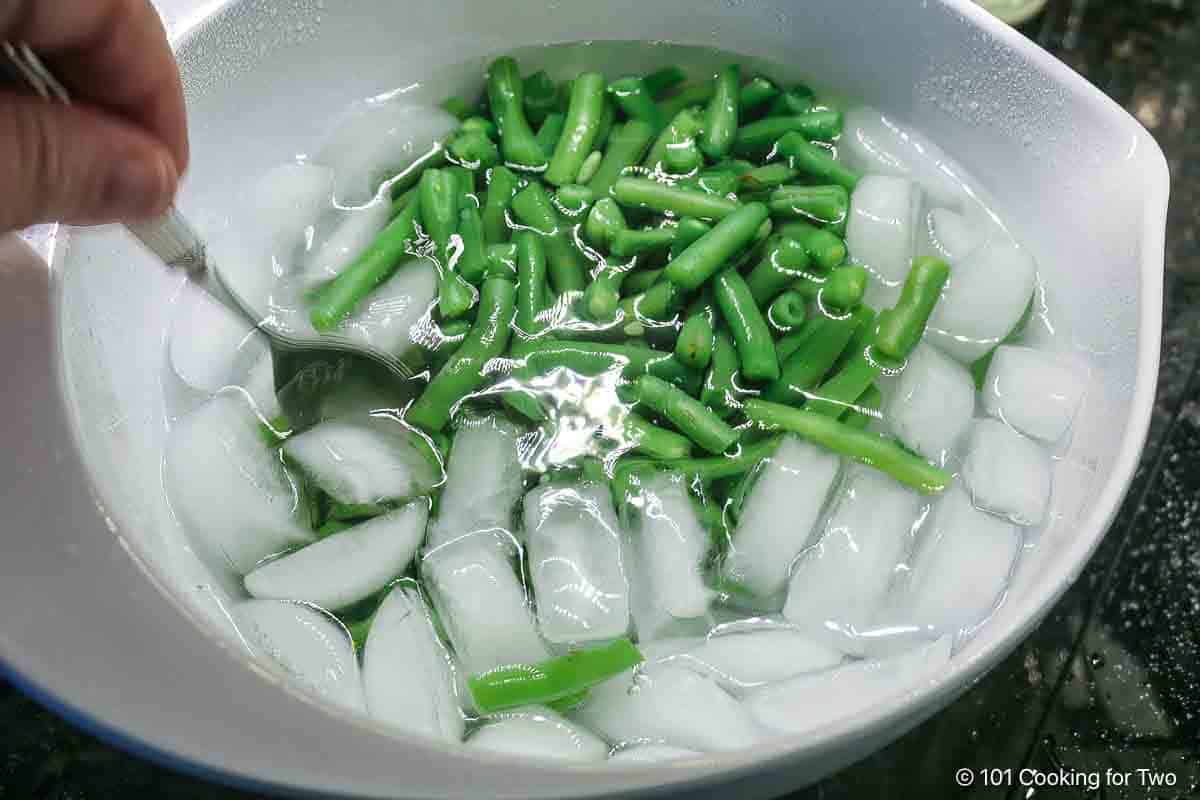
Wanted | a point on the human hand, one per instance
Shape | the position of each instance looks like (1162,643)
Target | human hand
(117,152)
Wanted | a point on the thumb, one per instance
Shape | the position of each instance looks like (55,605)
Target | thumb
(78,165)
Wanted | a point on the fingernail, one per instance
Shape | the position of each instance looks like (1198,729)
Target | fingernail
(140,188)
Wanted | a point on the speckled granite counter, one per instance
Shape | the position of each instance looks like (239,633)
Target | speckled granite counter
(1111,680)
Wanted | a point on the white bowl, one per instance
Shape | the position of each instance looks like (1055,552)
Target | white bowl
(102,619)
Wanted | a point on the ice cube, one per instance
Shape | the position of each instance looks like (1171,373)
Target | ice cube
(408,675)
(984,299)
(538,732)
(575,562)
(284,204)
(229,489)
(364,461)
(392,314)
(807,703)
(779,516)
(931,404)
(669,705)
(960,569)
(310,646)
(259,386)
(1007,473)
(947,235)
(838,584)
(1034,391)
(347,567)
(211,347)
(882,229)
(482,604)
(650,753)
(353,232)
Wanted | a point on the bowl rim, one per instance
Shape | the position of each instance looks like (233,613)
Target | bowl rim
(773,753)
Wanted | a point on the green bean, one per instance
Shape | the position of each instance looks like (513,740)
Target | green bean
(691,417)
(758,138)
(531,282)
(550,132)
(502,261)
(793,341)
(502,185)
(810,159)
(657,304)
(400,202)
(634,99)
(603,222)
(539,356)
(756,350)
(696,94)
(653,441)
(574,199)
(757,93)
(681,202)
(457,107)
(825,205)
(329,528)
(640,281)
(480,125)
(628,243)
(626,147)
(533,208)
(408,178)
(845,288)
(715,181)
(694,346)
(785,260)
(661,80)
(721,116)
(590,165)
(608,118)
(901,327)
(787,312)
(864,336)
(464,372)
(579,132)
(474,150)
(708,254)
(805,368)
(793,101)
(541,96)
(683,158)
(683,129)
(337,298)
(506,94)
(705,470)
(473,261)
(439,199)
(866,409)
(868,448)
(688,231)
(824,248)
(767,177)
(602,297)
(719,391)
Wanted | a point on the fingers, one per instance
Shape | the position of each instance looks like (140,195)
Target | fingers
(112,53)
(78,165)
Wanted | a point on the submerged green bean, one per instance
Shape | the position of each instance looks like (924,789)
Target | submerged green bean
(473,261)
(664,79)
(681,202)
(688,231)
(604,221)
(866,408)
(719,391)
(679,135)
(550,132)
(531,282)
(824,205)
(627,145)
(634,99)
(653,441)
(502,185)
(534,209)
(758,92)
(694,346)
(627,243)
(787,312)
(580,129)
(721,116)
(506,94)
(708,254)
(759,138)
(901,327)
(541,96)
(756,350)
(810,159)
(805,367)
(691,417)
(784,261)
(825,248)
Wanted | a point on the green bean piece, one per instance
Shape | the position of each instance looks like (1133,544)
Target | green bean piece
(812,360)
(815,161)
(694,346)
(602,297)
(794,340)
(680,202)
(708,254)
(464,181)
(797,99)
(653,441)
(757,138)
(603,223)
(691,417)
(474,150)
(784,261)
(640,281)
(541,96)
(464,372)
(767,177)
(681,133)
(531,282)
(688,231)
(901,327)
(756,349)
(574,199)
(626,146)
(502,185)
(502,261)
(550,132)
(439,200)
(329,528)
(705,470)
(506,94)
(721,115)
(473,261)
(539,356)
(715,181)
(628,243)
(337,298)
(408,178)
(590,165)
(400,202)
(683,158)
(579,131)
(457,107)
(608,118)
(662,80)
(864,336)
(825,248)
(657,304)
(866,409)
(534,209)
(719,391)
(876,451)
(696,94)
(480,125)
(825,205)
(634,99)
(845,288)
(787,312)
(756,94)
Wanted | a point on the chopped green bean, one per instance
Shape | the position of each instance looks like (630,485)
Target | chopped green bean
(662,80)
(688,231)
(653,441)
(457,107)
(705,470)
(756,350)
(787,312)
(808,365)
(602,297)
(767,177)
(795,100)
(640,281)
(785,261)
(634,99)
(794,340)
(824,205)
(473,261)
(541,96)
(825,248)
(657,304)
(627,243)
(814,160)
(548,681)
(715,181)
(579,132)
(901,327)
(531,282)
(756,94)
(502,185)
(696,94)
(604,221)
(719,391)
(574,199)
(708,254)
(590,165)
(758,138)
(550,132)
(681,202)
(691,417)
(541,355)
(566,264)
(439,199)
(844,289)
(474,150)
(721,116)
(866,408)
(694,346)
(627,145)
(502,260)
(480,125)
(679,135)
(506,93)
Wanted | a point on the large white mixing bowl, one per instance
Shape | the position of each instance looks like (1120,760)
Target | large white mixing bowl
(102,617)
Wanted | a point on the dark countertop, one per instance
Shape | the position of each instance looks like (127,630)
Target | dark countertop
(1111,680)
